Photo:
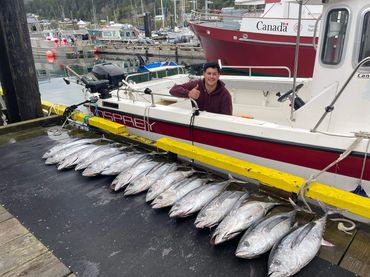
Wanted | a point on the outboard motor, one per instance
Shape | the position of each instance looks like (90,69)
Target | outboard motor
(111,72)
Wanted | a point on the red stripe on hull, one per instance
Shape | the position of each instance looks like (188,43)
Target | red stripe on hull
(220,44)
(273,150)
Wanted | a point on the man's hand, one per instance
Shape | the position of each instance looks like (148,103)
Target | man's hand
(194,93)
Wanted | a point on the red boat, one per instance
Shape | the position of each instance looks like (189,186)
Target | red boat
(264,42)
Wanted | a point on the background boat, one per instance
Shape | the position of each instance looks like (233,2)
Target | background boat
(266,38)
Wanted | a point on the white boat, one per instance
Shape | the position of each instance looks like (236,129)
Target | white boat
(66,44)
(331,114)
(116,33)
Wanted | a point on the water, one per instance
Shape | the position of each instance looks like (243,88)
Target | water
(50,73)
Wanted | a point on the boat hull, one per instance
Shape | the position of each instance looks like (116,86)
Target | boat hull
(296,158)
(238,48)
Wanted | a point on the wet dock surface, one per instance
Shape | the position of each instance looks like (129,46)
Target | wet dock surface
(100,233)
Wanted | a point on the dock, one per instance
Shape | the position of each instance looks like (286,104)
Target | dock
(95,232)
(164,50)
(22,254)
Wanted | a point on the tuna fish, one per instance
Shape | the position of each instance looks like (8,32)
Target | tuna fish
(76,157)
(218,208)
(176,192)
(197,199)
(96,155)
(162,184)
(71,143)
(65,152)
(98,166)
(125,177)
(121,165)
(297,249)
(240,219)
(146,181)
(261,237)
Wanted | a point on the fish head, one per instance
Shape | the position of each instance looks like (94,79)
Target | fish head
(277,269)
(245,250)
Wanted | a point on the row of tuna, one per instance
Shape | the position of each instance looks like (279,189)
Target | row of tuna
(230,212)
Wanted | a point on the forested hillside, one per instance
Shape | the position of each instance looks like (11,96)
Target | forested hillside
(120,10)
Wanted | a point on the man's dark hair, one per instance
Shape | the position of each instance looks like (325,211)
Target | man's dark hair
(211,65)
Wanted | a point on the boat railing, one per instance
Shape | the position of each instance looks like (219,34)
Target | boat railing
(219,16)
(330,108)
(254,67)
(160,73)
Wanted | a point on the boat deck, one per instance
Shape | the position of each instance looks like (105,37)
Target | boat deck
(99,233)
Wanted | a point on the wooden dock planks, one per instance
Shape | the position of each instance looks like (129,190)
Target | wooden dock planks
(21,254)
(357,258)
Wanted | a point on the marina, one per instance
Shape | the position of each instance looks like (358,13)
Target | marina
(148,154)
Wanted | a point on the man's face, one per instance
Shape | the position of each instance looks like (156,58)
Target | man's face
(211,76)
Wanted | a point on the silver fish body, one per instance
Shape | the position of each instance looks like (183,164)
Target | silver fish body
(261,237)
(122,165)
(63,153)
(129,175)
(70,143)
(145,182)
(176,192)
(296,249)
(73,159)
(240,219)
(96,155)
(213,213)
(197,199)
(162,184)
(96,167)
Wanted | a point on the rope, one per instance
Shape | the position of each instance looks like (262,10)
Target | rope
(364,162)
(86,119)
(342,227)
(304,188)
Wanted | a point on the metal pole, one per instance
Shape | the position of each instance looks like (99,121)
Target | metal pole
(206,8)
(162,14)
(174,12)
(142,6)
(296,59)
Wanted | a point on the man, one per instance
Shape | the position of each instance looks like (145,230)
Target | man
(209,93)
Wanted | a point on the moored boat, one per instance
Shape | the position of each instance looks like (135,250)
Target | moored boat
(261,39)
(322,134)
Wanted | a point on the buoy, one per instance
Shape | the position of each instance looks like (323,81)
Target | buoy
(49,53)
(50,59)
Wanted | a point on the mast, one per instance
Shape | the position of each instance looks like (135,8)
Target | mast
(142,7)
(93,11)
(162,14)
(174,11)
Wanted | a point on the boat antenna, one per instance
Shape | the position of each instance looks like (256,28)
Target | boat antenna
(300,2)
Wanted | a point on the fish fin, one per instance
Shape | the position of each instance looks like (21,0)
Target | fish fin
(274,222)
(234,180)
(326,243)
(302,235)
(329,209)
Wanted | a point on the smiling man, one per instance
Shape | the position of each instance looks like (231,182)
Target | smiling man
(209,93)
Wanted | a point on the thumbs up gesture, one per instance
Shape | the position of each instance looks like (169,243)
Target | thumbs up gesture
(194,93)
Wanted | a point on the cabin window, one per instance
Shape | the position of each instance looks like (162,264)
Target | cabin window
(365,39)
(334,38)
